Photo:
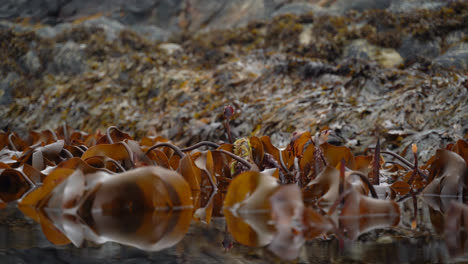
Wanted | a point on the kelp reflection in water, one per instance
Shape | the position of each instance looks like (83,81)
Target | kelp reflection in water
(439,235)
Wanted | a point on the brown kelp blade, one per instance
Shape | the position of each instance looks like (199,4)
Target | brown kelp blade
(250,190)
(448,174)
(13,184)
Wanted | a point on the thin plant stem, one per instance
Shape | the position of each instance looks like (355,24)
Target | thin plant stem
(65,133)
(54,136)
(239,159)
(68,153)
(405,161)
(176,149)
(108,135)
(200,144)
(376,165)
(10,140)
(116,163)
(228,130)
(367,182)
(398,157)
(130,154)
(282,163)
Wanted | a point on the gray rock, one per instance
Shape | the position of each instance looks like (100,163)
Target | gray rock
(68,58)
(410,5)
(361,5)
(111,27)
(177,15)
(73,9)
(45,10)
(162,13)
(141,6)
(428,142)
(456,57)
(6,88)
(411,48)
(51,32)
(9,25)
(152,33)
(43,32)
(31,62)
(296,8)
(208,14)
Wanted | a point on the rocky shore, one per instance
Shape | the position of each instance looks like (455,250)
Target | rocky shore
(394,69)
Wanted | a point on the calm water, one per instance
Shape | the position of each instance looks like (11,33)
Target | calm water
(22,241)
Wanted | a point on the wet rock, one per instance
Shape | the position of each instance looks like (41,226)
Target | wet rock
(296,8)
(164,14)
(412,48)
(136,11)
(45,10)
(152,33)
(409,5)
(68,58)
(6,88)
(456,57)
(361,49)
(361,5)
(31,62)
(73,9)
(221,14)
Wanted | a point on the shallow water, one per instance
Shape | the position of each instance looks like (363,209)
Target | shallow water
(23,241)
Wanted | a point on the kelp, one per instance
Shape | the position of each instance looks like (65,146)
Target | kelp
(144,193)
